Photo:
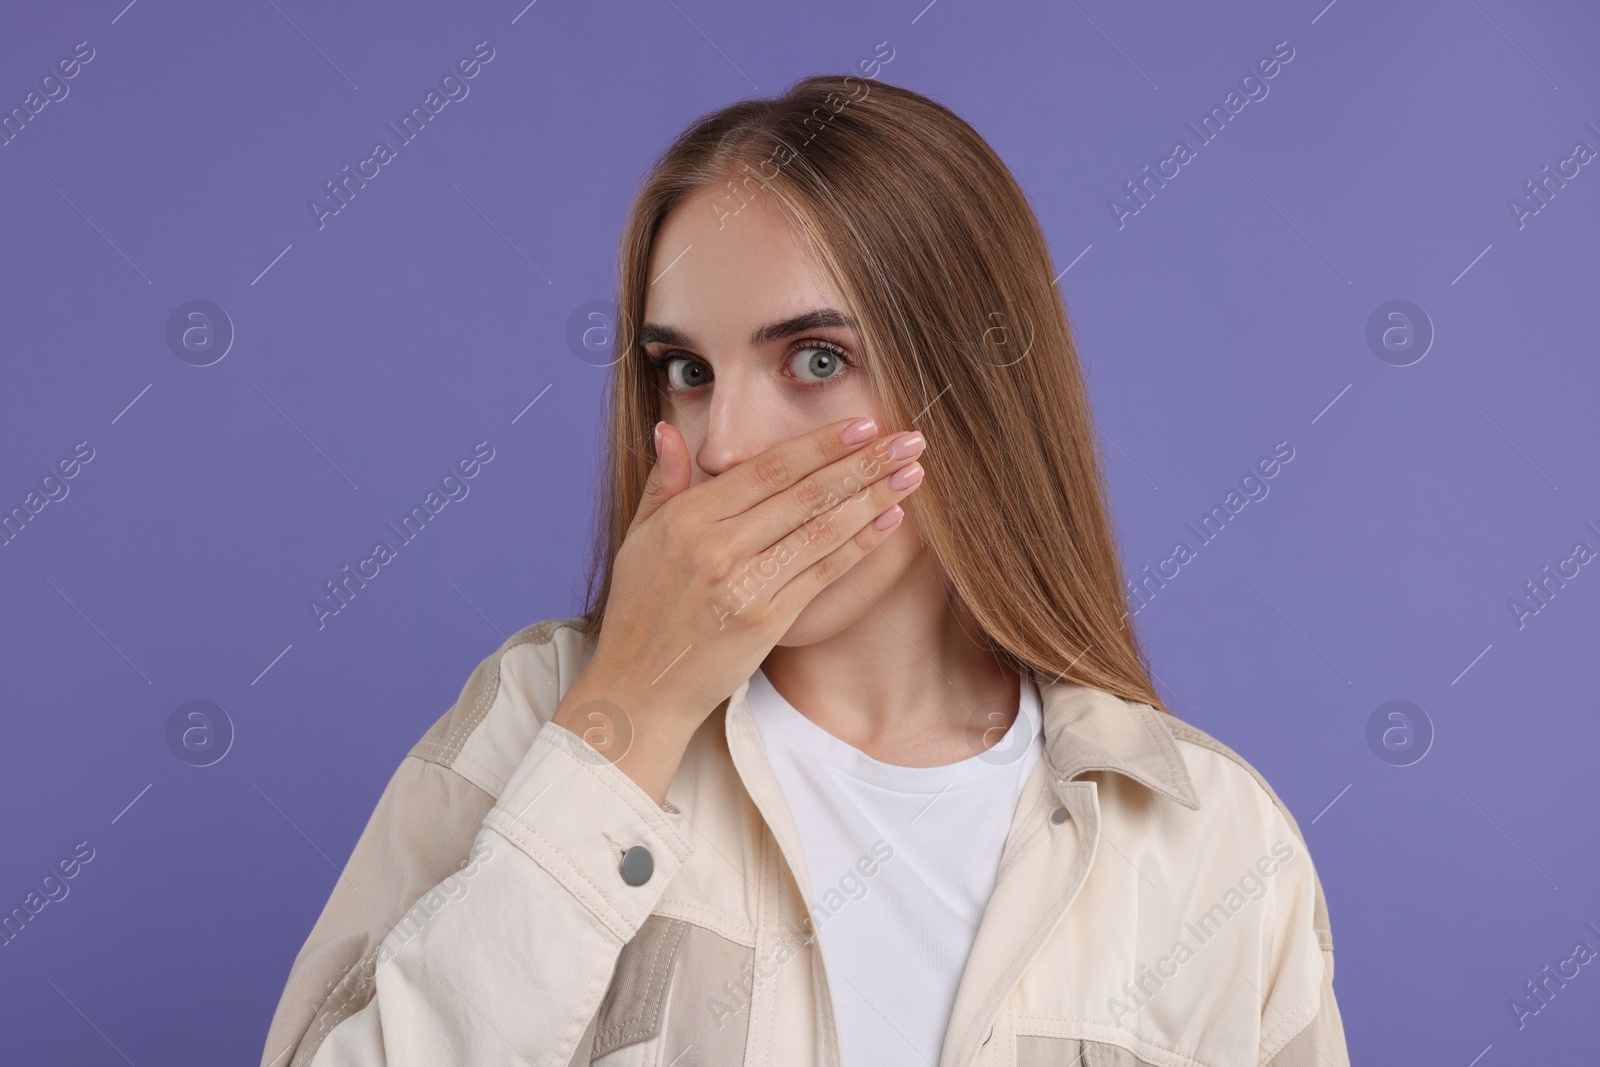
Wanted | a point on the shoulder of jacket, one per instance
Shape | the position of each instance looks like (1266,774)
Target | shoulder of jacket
(508,696)
(1200,748)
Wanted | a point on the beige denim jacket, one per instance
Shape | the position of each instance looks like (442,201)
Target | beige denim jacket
(1155,904)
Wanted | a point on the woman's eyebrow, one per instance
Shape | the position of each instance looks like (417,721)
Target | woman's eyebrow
(810,320)
(773,331)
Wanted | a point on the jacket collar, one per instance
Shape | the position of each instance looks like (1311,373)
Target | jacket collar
(1088,729)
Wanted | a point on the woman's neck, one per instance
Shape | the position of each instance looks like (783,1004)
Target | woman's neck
(906,683)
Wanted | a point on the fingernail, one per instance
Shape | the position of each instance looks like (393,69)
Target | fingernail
(905,446)
(888,518)
(906,476)
(858,431)
(658,440)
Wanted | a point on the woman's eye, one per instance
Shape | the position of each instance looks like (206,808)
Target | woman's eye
(815,363)
(686,373)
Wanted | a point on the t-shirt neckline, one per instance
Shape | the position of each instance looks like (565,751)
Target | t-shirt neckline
(770,706)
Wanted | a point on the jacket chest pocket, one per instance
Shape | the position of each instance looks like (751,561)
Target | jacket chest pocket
(680,994)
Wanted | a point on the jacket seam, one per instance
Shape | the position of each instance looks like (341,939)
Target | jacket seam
(335,1007)
(996,1001)
(639,1027)
(656,819)
(1294,1023)
(599,982)
(445,752)
(513,832)
(1035,826)
(481,776)
(511,828)
(1193,735)
(1174,773)
(765,1009)
(707,919)
(460,732)
(1027,1026)
(1299,1019)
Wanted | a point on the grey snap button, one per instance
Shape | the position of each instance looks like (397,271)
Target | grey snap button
(1060,815)
(637,865)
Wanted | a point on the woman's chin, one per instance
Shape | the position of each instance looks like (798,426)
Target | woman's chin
(863,589)
(829,612)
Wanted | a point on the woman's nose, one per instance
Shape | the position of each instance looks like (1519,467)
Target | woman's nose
(735,430)
(724,449)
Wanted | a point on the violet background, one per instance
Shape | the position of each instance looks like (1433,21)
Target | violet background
(1229,314)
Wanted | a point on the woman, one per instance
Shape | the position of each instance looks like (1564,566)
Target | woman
(840,765)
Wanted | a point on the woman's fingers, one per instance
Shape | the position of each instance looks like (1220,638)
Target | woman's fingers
(780,467)
(829,544)
(669,476)
(802,503)
(821,491)
(852,540)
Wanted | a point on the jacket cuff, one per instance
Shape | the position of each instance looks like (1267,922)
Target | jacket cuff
(576,815)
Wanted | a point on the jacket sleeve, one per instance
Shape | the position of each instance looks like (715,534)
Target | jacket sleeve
(420,832)
(507,958)
(1300,1022)
(514,960)
(517,962)
(1320,1043)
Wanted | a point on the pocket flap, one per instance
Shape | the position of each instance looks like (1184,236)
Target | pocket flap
(633,1007)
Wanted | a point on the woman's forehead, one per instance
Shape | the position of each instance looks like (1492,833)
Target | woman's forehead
(729,276)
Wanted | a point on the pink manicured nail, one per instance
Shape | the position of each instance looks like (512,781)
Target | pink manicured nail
(658,440)
(906,476)
(887,520)
(905,446)
(858,431)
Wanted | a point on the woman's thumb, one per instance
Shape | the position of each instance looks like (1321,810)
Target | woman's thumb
(669,476)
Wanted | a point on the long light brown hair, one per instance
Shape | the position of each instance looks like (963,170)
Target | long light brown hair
(938,253)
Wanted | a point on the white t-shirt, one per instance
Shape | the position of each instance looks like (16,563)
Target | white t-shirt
(902,863)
